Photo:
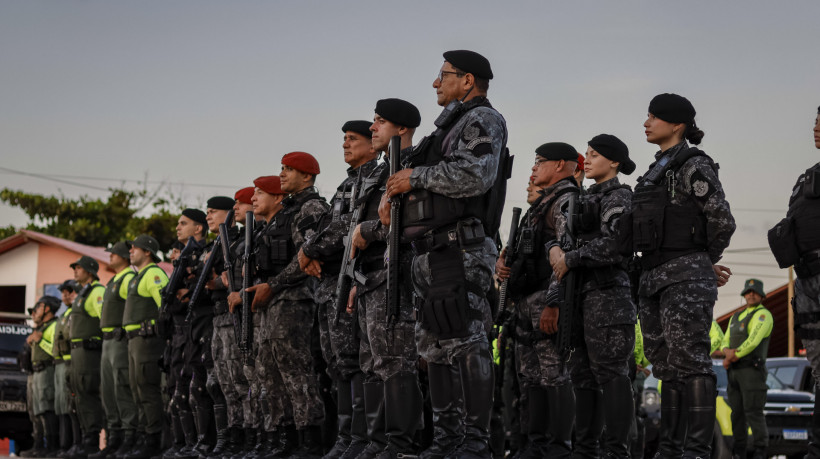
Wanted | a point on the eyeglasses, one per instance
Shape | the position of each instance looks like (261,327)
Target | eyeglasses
(441,74)
(538,161)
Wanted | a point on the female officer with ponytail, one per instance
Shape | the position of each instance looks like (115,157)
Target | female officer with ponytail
(681,224)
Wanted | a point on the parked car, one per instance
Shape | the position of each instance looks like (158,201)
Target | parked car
(14,420)
(788,416)
(795,372)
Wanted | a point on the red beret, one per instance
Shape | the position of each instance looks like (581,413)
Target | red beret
(580,161)
(244,195)
(269,184)
(301,161)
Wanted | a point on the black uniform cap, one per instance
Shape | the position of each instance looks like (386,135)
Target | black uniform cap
(69,284)
(220,203)
(556,151)
(196,215)
(672,108)
(358,126)
(146,242)
(399,112)
(470,62)
(614,150)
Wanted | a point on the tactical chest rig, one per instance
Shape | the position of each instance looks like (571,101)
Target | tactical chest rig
(662,230)
(274,245)
(442,227)
(795,240)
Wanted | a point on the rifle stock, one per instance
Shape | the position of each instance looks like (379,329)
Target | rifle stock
(393,239)
(348,271)
(509,259)
(569,290)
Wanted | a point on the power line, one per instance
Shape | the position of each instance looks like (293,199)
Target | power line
(53,179)
(61,179)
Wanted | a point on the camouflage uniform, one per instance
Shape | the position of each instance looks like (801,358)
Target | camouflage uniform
(806,301)
(285,363)
(387,354)
(599,364)
(471,149)
(676,301)
(339,337)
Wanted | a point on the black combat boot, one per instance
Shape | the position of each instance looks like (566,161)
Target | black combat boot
(673,421)
(358,423)
(149,448)
(90,445)
(177,437)
(310,443)
(537,442)
(561,408)
(51,433)
(205,431)
(374,413)
(476,368)
(446,400)
(39,444)
(65,435)
(402,414)
(700,393)
(222,432)
(288,441)
(76,435)
(589,422)
(113,440)
(129,438)
(619,411)
(188,423)
(344,416)
(233,444)
(266,444)
(249,442)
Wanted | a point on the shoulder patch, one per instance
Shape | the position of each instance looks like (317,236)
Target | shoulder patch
(478,141)
(157,280)
(612,212)
(762,318)
(700,188)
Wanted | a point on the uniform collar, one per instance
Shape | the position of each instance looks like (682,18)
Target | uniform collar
(605,186)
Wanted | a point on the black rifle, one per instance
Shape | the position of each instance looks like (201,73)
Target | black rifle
(169,292)
(393,240)
(568,292)
(228,263)
(509,259)
(246,340)
(205,275)
(348,271)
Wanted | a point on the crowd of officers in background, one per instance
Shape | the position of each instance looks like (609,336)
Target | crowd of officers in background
(392,322)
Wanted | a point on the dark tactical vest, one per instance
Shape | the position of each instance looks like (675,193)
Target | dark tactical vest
(804,209)
(274,244)
(424,210)
(662,230)
(62,337)
(81,324)
(38,355)
(140,308)
(532,270)
(739,332)
(372,258)
(113,303)
(342,204)
(588,222)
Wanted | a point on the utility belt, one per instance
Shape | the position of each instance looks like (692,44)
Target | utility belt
(59,361)
(465,234)
(147,328)
(748,362)
(87,344)
(115,334)
(445,309)
(40,366)
(809,265)
(527,336)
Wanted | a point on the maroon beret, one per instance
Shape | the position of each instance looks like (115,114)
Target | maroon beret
(269,184)
(244,195)
(302,162)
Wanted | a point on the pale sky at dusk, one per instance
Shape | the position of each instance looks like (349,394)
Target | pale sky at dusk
(206,92)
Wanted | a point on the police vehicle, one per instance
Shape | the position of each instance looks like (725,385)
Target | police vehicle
(14,420)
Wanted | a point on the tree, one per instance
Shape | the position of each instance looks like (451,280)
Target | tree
(97,222)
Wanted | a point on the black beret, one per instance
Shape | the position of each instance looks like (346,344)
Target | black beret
(614,150)
(220,203)
(818,110)
(470,62)
(399,112)
(195,215)
(358,126)
(672,108)
(556,151)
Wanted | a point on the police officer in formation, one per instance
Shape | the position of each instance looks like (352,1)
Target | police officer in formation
(796,241)
(229,395)
(42,348)
(746,346)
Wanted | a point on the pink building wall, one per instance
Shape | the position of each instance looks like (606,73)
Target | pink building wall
(53,266)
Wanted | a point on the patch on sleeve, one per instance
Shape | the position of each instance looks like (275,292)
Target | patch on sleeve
(99,300)
(478,141)
(157,280)
(611,213)
(701,187)
(762,318)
